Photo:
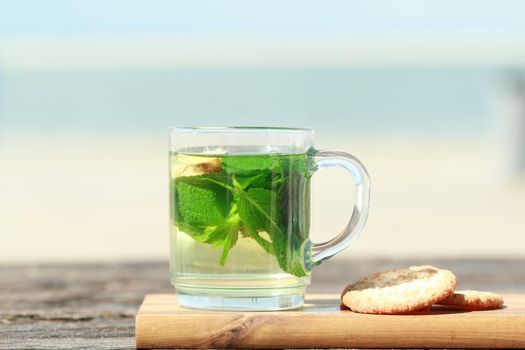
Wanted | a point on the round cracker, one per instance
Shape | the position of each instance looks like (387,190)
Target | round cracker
(473,300)
(399,291)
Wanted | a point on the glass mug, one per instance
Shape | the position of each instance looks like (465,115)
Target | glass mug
(240,214)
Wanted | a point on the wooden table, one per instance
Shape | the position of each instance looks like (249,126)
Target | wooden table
(93,306)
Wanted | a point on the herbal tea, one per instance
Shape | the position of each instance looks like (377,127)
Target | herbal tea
(240,215)
(239,222)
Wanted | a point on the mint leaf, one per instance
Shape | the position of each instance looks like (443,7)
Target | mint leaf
(200,234)
(262,179)
(296,164)
(224,235)
(227,234)
(201,211)
(199,203)
(259,210)
(252,206)
(241,165)
(229,242)
(258,207)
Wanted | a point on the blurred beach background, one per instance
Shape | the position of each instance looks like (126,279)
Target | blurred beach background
(430,95)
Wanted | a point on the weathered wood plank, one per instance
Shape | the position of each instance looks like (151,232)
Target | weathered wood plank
(93,306)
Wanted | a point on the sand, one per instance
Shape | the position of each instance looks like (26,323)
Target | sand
(86,197)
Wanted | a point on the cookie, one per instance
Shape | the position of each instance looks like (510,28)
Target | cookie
(399,291)
(473,300)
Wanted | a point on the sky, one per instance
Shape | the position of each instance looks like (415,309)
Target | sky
(120,17)
(89,83)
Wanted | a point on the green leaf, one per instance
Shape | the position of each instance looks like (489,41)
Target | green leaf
(296,164)
(258,207)
(263,242)
(251,215)
(229,242)
(263,180)
(199,202)
(224,235)
(200,234)
(259,211)
(210,180)
(228,232)
(242,165)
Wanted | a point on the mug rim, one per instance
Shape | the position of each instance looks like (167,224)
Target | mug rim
(240,129)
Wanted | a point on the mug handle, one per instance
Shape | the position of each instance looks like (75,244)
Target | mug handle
(324,159)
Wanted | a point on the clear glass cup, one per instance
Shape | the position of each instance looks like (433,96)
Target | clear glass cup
(240,215)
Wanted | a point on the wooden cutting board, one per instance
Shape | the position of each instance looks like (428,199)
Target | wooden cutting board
(161,323)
